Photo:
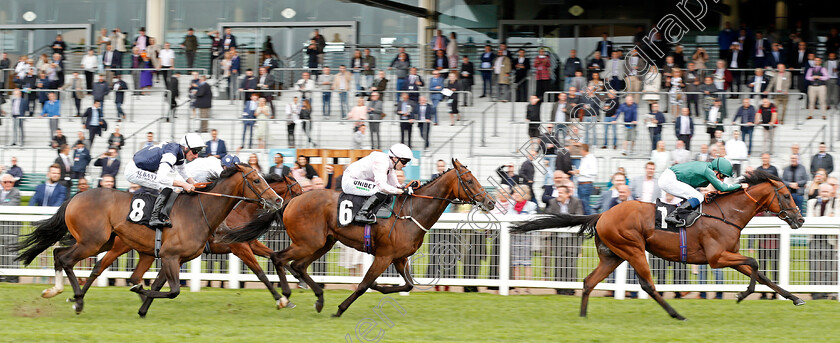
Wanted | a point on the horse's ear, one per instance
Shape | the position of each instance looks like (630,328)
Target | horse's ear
(454,162)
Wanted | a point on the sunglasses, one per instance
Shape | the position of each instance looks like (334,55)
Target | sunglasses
(196,151)
(404,161)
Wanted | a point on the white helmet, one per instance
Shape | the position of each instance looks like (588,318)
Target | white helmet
(401,151)
(192,141)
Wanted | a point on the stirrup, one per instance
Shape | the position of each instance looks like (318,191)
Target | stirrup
(365,217)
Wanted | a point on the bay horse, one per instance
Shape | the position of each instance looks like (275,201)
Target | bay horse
(311,223)
(97,216)
(242,214)
(624,232)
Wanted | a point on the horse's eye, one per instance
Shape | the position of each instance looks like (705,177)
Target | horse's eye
(257,181)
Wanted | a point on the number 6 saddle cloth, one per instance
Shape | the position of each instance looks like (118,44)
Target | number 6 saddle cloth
(140,208)
(349,205)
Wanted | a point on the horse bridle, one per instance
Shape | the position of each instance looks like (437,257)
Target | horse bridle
(264,203)
(461,189)
(783,211)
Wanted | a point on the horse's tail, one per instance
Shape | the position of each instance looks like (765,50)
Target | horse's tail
(47,232)
(254,229)
(587,223)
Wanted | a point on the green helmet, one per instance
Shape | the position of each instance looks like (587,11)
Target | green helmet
(723,166)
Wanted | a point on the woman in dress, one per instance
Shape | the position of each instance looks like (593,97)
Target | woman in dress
(263,112)
(652,85)
(146,74)
(675,94)
(660,157)
(452,50)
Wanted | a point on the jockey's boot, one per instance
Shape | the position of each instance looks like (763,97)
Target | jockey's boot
(685,213)
(158,219)
(367,214)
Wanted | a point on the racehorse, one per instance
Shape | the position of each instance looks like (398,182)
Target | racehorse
(284,186)
(624,232)
(194,218)
(311,223)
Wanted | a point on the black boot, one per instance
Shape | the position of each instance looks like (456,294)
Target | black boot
(678,216)
(368,212)
(158,219)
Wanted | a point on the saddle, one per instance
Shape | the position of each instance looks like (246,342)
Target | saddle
(662,211)
(349,205)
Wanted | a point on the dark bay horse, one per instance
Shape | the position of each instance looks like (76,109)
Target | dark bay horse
(97,216)
(242,214)
(624,232)
(310,221)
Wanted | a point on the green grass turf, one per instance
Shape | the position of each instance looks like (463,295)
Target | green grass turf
(215,315)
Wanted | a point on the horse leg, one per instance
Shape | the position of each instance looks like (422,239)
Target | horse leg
(300,265)
(277,258)
(399,264)
(59,276)
(731,259)
(144,262)
(156,286)
(244,252)
(170,269)
(747,270)
(117,250)
(67,259)
(639,262)
(377,268)
(608,263)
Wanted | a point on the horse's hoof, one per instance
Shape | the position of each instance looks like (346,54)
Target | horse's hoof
(798,302)
(136,288)
(78,308)
(741,297)
(282,303)
(71,300)
(142,315)
(336,315)
(319,305)
(51,292)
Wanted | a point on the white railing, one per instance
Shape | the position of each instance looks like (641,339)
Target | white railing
(469,249)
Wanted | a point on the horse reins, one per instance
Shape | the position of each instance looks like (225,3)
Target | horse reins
(783,210)
(261,201)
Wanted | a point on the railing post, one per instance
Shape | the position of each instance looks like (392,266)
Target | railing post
(195,274)
(504,258)
(472,138)
(784,257)
(102,280)
(495,120)
(234,270)
(620,281)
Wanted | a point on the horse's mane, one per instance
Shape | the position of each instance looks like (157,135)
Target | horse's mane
(226,173)
(755,177)
(272,178)
(434,178)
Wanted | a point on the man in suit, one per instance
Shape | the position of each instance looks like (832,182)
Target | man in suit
(228,40)
(9,195)
(780,83)
(249,83)
(605,46)
(747,114)
(120,87)
(64,164)
(414,83)
(407,112)
(776,55)
(142,41)
(94,121)
(109,162)
(564,247)
(77,87)
(573,64)
(9,231)
(614,72)
(439,41)
(100,89)
(278,167)
(684,127)
(235,70)
(759,83)
(58,64)
(798,59)
(111,59)
(425,113)
(81,159)
(760,50)
(266,82)
(501,70)
(817,77)
(174,92)
(822,253)
(215,146)
(52,192)
(203,101)
(487,59)
(736,59)
(521,67)
(646,188)
(249,112)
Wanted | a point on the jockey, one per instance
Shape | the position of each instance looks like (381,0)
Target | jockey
(152,167)
(682,179)
(203,168)
(374,175)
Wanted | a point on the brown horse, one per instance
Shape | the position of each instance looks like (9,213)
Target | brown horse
(243,213)
(194,218)
(624,232)
(311,223)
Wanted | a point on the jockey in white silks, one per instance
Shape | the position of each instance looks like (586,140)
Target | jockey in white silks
(374,175)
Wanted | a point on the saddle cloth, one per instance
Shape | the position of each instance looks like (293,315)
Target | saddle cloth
(140,208)
(349,205)
(662,211)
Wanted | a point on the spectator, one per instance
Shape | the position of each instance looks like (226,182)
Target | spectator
(595,65)
(106,182)
(507,173)
(560,110)
(822,160)
(527,172)
(822,250)
(440,166)
(94,121)
(248,114)
(359,136)
(374,112)
(325,84)
(120,87)
(368,66)
(81,138)
(781,83)
(407,112)
(146,74)
(736,152)
(401,65)
(414,83)
(78,90)
(341,83)
(52,192)
(58,140)
(109,162)
(766,166)
(831,84)
(293,117)
(685,127)
(100,89)
(249,83)
(266,83)
(439,41)
(487,59)
(150,139)
(254,162)
(814,187)
(532,116)
(15,171)
(736,59)
(358,113)
(703,155)
(320,43)
(303,164)
(203,101)
(651,87)
(521,243)
(215,147)
(714,119)
(278,167)
(263,113)
(817,76)
(645,188)
(501,70)
(64,164)
(653,122)
(560,179)
(578,81)
(564,247)
(136,63)
(356,67)
(795,177)
(235,70)
(19,104)
(610,106)
(190,46)
(768,119)
(52,110)
(425,113)
(680,154)
(522,68)
(585,175)
(380,84)
(9,230)
(629,110)
(435,86)
(305,85)
(759,84)
(81,159)
(747,114)
(167,62)
(454,85)
(693,78)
